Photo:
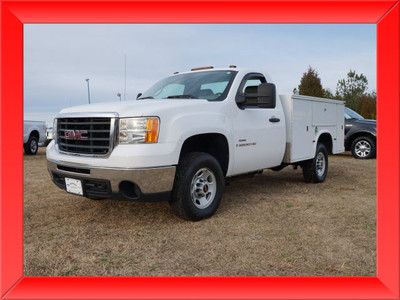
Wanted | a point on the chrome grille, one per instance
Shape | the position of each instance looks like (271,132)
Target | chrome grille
(96,135)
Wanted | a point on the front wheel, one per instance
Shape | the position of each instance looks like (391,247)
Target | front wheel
(363,147)
(198,187)
(315,170)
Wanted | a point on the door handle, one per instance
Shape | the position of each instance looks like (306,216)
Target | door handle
(274,119)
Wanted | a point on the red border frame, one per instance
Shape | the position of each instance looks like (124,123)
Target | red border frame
(14,285)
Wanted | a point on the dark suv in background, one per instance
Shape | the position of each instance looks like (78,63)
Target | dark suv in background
(360,135)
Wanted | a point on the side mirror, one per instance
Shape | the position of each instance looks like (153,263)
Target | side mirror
(138,95)
(250,96)
(266,95)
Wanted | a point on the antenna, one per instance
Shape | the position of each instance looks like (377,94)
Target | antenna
(88,89)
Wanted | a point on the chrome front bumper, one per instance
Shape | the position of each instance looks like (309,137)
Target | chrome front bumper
(148,180)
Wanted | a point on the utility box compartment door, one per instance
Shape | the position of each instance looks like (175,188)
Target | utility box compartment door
(299,131)
(302,137)
(338,145)
(324,114)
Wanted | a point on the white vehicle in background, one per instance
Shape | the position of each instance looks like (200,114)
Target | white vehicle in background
(34,136)
(187,134)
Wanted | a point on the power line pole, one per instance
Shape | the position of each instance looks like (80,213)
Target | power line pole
(88,89)
(125,78)
(119,96)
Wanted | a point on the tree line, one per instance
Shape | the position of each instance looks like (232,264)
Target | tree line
(353,89)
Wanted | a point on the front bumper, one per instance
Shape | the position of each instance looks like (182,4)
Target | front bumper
(106,182)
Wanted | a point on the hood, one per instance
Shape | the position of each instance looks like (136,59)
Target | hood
(137,108)
(366,122)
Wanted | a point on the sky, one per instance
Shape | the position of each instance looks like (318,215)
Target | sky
(59,57)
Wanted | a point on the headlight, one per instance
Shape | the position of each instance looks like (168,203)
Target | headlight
(54,129)
(138,130)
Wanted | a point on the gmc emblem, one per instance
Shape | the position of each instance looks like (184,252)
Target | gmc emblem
(77,135)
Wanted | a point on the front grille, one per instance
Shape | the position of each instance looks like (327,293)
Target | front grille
(90,136)
(73,169)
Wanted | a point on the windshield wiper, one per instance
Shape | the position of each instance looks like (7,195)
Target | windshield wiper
(181,96)
(149,97)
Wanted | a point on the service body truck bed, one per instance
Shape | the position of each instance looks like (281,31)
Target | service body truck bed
(304,117)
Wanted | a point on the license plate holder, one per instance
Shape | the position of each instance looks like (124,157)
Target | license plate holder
(73,186)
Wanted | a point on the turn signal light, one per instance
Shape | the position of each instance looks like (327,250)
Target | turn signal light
(152,125)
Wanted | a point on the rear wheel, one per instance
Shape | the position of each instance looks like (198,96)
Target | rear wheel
(198,187)
(315,170)
(363,147)
(31,146)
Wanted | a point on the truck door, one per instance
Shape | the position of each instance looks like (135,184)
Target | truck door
(260,133)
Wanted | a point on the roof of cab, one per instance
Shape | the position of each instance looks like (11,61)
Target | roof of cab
(209,69)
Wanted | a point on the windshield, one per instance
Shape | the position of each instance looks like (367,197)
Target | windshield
(210,85)
(351,114)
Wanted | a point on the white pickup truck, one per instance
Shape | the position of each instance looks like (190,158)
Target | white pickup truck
(34,136)
(189,132)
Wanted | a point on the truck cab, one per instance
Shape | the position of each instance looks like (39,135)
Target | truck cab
(186,134)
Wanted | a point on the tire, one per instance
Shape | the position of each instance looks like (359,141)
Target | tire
(201,170)
(31,147)
(315,170)
(363,147)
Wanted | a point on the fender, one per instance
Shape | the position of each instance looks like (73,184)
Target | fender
(184,126)
(352,132)
(362,130)
(320,132)
(29,131)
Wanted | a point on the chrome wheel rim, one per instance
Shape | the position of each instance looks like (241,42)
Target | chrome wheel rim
(362,148)
(33,146)
(320,164)
(203,188)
